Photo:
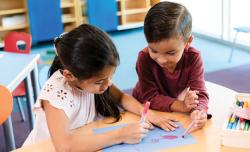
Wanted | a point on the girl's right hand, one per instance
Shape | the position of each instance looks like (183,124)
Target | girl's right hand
(134,133)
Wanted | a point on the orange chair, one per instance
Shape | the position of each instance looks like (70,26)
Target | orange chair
(6,104)
(6,107)
(11,44)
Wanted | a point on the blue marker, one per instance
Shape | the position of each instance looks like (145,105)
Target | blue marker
(230,124)
(235,123)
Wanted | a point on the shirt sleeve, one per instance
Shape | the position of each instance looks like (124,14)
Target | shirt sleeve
(197,82)
(57,95)
(148,90)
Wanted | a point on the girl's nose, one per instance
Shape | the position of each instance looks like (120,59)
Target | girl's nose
(110,82)
(107,83)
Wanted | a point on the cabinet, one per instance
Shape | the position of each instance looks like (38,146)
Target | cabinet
(39,18)
(13,17)
(72,13)
(111,15)
(131,13)
(102,13)
(45,19)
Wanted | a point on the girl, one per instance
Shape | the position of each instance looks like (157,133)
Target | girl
(169,66)
(79,88)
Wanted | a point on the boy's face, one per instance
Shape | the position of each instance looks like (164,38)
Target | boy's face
(168,52)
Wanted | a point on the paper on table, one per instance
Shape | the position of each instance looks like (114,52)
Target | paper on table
(156,139)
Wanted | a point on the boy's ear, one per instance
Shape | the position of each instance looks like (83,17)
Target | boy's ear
(190,39)
(68,75)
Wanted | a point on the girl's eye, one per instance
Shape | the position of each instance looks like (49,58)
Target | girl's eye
(153,51)
(99,83)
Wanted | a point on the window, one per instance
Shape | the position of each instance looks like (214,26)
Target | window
(239,16)
(218,18)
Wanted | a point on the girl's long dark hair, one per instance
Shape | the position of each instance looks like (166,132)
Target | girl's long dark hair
(85,51)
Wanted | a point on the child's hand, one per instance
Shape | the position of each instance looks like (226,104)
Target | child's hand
(199,118)
(134,133)
(191,99)
(162,120)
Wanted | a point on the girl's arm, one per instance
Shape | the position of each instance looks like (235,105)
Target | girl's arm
(161,119)
(65,141)
(128,102)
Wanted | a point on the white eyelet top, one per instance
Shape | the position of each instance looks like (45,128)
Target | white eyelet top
(78,105)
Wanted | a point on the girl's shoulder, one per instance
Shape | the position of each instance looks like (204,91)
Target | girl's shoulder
(57,92)
(56,84)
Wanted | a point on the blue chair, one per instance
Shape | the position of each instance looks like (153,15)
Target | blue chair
(245,29)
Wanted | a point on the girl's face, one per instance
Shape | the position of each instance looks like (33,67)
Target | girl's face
(99,83)
(167,53)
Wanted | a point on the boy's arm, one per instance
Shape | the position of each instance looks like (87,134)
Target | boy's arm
(197,82)
(148,90)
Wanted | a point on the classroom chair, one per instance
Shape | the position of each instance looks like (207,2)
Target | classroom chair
(6,104)
(243,29)
(6,107)
(11,44)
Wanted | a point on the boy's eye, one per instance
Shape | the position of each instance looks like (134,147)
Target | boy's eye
(172,53)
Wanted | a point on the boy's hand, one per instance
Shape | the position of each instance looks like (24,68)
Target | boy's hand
(191,99)
(162,120)
(199,118)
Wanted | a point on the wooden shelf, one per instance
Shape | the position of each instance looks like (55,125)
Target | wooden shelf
(12,11)
(68,18)
(132,11)
(84,19)
(82,3)
(15,27)
(66,4)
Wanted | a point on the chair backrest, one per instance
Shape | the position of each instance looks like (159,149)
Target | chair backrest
(6,103)
(13,38)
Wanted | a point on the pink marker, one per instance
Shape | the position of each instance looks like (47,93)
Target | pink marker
(188,129)
(145,111)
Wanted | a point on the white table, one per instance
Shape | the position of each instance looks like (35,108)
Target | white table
(14,69)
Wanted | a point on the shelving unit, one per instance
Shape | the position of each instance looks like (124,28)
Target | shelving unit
(71,14)
(9,9)
(83,12)
(131,13)
(110,14)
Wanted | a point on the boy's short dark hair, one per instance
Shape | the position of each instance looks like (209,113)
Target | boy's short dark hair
(167,20)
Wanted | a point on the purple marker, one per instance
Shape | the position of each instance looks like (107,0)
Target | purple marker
(188,129)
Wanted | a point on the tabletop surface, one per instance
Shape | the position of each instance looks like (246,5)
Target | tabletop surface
(208,139)
(13,65)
